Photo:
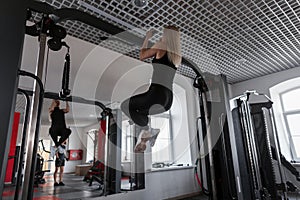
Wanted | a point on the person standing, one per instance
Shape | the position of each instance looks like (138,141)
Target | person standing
(60,164)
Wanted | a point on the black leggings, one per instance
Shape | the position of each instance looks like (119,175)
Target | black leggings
(156,100)
(63,132)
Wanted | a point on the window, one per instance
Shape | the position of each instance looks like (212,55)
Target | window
(127,141)
(286,97)
(91,146)
(291,113)
(163,148)
(172,145)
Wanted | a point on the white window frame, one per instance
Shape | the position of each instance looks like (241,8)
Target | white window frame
(167,115)
(285,137)
(285,114)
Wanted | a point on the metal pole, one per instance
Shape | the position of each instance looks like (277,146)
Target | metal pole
(132,155)
(107,118)
(232,140)
(23,143)
(253,147)
(278,150)
(29,173)
(209,147)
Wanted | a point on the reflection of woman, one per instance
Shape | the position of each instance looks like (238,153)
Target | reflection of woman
(166,54)
(60,164)
(58,124)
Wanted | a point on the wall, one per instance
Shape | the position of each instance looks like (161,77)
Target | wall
(75,142)
(262,84)
(162,185)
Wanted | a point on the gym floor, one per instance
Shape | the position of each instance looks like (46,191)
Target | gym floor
(75,188)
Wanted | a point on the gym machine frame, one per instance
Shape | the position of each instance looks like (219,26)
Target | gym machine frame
(256,185)
(73,14)
(31,156)
(110,116)
(218,148)
(23,142)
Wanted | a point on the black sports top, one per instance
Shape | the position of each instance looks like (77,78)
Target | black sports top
(163,72)
(58,118)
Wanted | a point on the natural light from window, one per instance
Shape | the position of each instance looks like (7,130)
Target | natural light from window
(286,97)
(290,100)
(161,151)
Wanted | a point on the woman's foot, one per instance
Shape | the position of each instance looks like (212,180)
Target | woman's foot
(61,184)
(56,184)
(144,137)
(154,134)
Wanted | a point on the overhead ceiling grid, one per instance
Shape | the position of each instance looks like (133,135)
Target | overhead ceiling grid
(238,38)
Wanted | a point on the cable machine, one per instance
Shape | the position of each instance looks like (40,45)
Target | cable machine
(256,138)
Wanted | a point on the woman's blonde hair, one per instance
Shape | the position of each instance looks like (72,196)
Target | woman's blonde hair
(172,36)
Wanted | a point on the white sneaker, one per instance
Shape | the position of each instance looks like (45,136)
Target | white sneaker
(154,134)
(53,150)
(144,137)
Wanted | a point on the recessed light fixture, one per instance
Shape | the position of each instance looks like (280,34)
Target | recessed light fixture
(140,3)
(240,61)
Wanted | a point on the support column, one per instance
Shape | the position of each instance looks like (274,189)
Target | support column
(12,23)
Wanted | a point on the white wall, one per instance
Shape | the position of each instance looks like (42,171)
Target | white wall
(263,83)
(162,185)
(75,142)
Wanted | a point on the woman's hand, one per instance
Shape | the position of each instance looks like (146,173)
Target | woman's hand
(149,33)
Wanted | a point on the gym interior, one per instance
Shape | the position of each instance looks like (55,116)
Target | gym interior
(232,131)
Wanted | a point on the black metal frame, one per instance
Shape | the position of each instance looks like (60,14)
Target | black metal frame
(219,167)
(72,14)
(106,112)
(23,146)
(37,130)
(254,126)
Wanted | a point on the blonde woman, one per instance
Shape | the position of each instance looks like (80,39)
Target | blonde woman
(166,58)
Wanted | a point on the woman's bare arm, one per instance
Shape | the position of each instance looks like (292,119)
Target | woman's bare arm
(67,109)
(51,108)
(146,52)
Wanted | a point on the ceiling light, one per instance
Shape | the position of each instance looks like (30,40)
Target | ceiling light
(241,61)
(140,3)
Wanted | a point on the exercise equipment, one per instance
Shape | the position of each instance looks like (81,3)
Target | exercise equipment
(216,155)
(32,153)
(23,145)
(257,140)
(13,156)
(65,91)
(72,14)
(39,172)
(39,169)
